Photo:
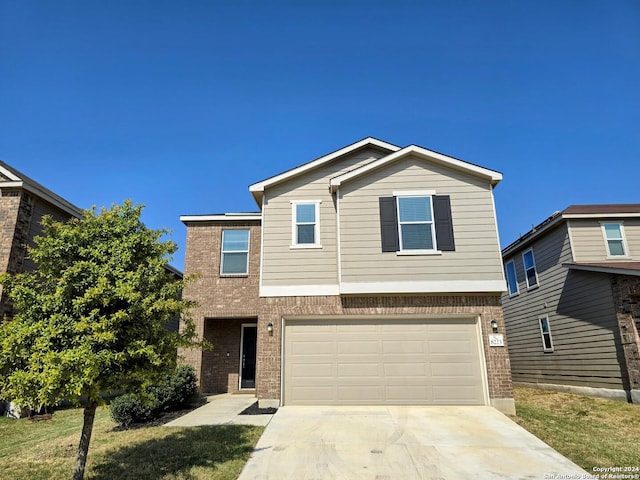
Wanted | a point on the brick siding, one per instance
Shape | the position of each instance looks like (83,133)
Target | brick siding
(626,294)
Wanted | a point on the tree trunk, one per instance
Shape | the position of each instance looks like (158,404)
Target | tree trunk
(85,438)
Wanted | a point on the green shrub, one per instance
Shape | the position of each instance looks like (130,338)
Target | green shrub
(176,389)
(171,393)
(131,408)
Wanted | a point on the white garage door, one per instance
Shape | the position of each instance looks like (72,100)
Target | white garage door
(382,362)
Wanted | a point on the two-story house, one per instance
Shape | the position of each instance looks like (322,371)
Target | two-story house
(572,309)
(371,275)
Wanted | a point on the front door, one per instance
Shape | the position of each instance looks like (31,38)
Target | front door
(248,356)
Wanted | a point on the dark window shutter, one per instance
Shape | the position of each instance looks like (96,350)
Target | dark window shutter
(389,224)
(444,223)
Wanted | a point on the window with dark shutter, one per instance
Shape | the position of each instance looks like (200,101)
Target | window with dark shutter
(389,224)
(416,224)
(444,223)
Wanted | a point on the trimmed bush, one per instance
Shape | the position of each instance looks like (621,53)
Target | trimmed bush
(130,408)
(171,393)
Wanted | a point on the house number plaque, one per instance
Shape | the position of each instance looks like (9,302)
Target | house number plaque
(496,340)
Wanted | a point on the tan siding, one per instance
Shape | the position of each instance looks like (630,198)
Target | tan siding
(589,244)
(581,315)
(283,265)
(477,250)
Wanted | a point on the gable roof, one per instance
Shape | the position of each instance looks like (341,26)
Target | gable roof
(18,179)
(257,189)
(605,210)
(491,175)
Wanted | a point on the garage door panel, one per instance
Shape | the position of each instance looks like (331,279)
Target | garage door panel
(355,393)
(403,346)
(405,370)
(359,370)
(375,362)
(357,347)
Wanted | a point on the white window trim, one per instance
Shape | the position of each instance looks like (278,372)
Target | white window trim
(515,274)
(222,252)
(623,238)
(535,267)
(416,194)
(294,225)
(544,347)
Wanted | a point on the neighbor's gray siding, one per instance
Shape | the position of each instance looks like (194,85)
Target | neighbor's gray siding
(581,316)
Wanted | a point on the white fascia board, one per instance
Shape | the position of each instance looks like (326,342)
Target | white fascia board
(425,286)
(492,175)
(217,218)
(259,187)
(9,174)
(299,290)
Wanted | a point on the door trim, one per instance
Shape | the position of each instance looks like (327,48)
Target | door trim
(242,327)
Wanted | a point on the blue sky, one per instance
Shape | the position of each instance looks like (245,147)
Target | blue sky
(181,105)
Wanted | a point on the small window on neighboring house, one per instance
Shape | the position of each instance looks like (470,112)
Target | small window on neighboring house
(512,279)
(545,331)
(306,224)
(530,269)
(614,237)
(235,252)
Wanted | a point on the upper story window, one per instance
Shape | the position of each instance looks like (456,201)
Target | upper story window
(306,224)
(235,252)
(614,237)
(530,269)
(545,331)
(512,279)
(415,223)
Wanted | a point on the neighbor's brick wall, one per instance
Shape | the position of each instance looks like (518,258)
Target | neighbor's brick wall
(219,298)
(488,307)
(626,295)
(20,217)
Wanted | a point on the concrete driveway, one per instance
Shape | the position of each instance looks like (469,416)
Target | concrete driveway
(384,443)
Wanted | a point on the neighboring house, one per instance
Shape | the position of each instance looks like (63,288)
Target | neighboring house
(572,309)
(23,203)
(371,275)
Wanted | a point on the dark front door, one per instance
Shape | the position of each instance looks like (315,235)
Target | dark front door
(248,357)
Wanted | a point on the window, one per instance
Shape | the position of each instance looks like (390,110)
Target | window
(512,279)
(545,331)
(614,237)
(415,223)
(306,231)
(530,269)
(235,252)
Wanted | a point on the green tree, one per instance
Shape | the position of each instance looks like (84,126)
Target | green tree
(91,320)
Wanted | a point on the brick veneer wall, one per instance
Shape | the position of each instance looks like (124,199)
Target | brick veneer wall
(487,307)
(626,295)
(16,209)
(221,299)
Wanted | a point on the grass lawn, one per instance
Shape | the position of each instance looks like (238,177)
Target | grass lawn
(591,432)
(46,450)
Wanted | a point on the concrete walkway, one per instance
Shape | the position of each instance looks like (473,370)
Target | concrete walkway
(385,443)
(223,409)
